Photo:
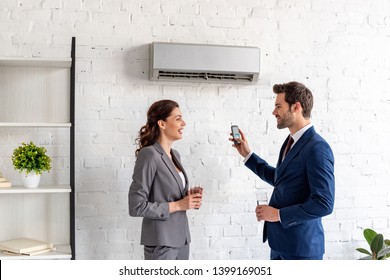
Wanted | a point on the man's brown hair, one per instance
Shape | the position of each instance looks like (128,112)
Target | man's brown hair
(296,92)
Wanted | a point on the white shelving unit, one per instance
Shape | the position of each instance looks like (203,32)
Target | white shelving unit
(33,62)
(62,252)
(39,93)
(14,124)
(40,189)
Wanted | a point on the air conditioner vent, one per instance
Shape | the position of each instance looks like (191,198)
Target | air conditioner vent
(204,76)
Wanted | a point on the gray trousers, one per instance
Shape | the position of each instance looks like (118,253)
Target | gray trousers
(167,253)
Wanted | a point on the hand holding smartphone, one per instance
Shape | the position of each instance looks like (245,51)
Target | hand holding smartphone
(235,134)
(239,141)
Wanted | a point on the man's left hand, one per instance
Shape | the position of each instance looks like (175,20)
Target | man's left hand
(267,213)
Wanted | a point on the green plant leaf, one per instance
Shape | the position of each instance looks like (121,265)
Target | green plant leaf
(380,248)
(30,158)
(384,252)
(366,258)
(364,251)
(376,245)
(369,235)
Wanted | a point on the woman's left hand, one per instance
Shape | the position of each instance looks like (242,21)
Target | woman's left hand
(191,201)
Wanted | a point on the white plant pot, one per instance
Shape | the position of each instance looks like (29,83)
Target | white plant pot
(31,180)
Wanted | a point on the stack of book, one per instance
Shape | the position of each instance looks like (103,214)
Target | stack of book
(25,246)
(4,182)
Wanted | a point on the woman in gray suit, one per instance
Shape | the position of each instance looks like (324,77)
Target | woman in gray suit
(159,192)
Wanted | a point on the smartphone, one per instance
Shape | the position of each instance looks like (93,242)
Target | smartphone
(235,134)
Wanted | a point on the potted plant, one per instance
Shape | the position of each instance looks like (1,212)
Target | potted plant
(31,161)
(380,248)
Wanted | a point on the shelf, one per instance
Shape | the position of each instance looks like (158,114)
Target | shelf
(39,189)
(25,124)
(40,93)
(34,62)
(34,95)
(61,252)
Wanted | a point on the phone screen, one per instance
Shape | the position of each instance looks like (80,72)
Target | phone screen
(235,133)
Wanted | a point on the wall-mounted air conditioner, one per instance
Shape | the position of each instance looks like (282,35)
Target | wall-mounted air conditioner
(204,63)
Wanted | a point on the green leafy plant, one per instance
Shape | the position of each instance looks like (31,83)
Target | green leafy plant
(380,248)
(30,158)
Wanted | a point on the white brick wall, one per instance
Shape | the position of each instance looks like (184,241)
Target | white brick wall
(340,49)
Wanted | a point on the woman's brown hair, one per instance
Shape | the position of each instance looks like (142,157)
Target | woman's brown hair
(150,132)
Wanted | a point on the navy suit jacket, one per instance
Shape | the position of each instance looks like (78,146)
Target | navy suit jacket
(304,189)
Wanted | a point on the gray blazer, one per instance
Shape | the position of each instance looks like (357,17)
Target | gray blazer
(155,183)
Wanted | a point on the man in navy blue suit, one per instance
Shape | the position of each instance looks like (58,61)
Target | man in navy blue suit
(303,179)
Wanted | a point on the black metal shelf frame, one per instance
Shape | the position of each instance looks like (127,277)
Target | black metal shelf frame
(72,151)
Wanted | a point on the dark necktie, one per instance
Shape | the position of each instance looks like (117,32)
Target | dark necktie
(288,146)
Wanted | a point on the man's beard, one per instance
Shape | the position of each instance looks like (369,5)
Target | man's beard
(286,121)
